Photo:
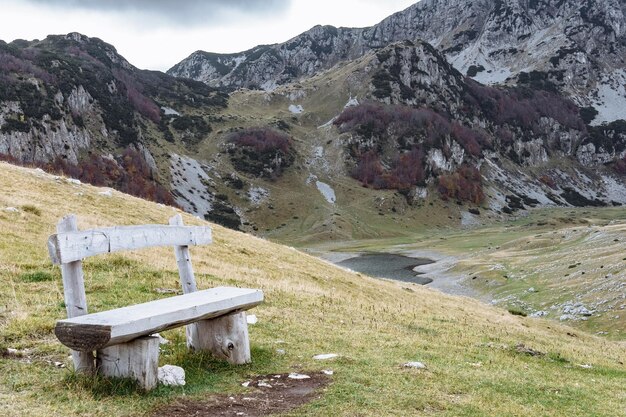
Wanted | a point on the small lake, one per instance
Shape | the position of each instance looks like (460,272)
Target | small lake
(388,265)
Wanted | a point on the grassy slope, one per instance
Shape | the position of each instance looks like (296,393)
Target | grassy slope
(565,255)
(312,307)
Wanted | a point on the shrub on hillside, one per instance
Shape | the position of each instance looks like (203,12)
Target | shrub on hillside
(128,173)
(464,185)
(261,151)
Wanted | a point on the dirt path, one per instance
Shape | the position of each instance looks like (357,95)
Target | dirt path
(268,395)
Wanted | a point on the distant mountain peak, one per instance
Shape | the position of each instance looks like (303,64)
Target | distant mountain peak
(577,47)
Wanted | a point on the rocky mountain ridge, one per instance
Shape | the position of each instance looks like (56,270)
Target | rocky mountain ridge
(395,138)
(577,47)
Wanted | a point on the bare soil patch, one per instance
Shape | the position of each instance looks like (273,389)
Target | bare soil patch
(268,395)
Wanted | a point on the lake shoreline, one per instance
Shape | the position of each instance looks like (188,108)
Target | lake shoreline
(428,268)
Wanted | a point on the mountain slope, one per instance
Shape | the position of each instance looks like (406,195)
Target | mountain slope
(479,360)
(72,103)
(399,120)
(578,47)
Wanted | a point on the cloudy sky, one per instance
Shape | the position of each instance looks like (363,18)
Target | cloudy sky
(156,34)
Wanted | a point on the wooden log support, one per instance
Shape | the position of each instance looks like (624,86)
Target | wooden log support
(187,279)
(74,295)
(226,337)
(137,359)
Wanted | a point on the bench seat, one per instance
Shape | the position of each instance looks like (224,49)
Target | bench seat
(98,330)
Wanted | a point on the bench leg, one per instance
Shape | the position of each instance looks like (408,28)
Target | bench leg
(137,359)
(226,337)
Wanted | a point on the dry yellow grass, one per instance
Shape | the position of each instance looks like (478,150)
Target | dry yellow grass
(473,367)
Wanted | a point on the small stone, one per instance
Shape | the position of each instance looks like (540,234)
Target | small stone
(252,319)
(73,181)
(540,313)
(264,384)
(15,352)
(295,375)
(325,356)
(585,366)
(245,384)
(171,375)
(531,289)
(11,209)
(416,365)
(280,351)
(59,364)
(106,193)
(328,372)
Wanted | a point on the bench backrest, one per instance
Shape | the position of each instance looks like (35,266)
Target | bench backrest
(69,246)
(73,246)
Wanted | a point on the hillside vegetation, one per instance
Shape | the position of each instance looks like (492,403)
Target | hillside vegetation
(479,360)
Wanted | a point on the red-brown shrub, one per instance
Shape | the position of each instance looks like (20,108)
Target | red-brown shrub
(465,185)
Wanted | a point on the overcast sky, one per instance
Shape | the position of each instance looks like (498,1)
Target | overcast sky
(156,34)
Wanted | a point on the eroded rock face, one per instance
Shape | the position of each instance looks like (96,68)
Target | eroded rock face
(576,46)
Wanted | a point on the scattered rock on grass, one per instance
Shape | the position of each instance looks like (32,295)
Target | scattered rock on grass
(252,319)
(415,365)
(11,209)
(325,356)
(171,375)
(106,193)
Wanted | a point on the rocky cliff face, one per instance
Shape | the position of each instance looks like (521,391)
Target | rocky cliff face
(577,47)
(73,104)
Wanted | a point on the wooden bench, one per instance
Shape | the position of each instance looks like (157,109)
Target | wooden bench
(123,338)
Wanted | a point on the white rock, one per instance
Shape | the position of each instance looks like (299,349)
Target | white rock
(73,181)
(106,193)
(295,375)
(296,109)
(585,366)
(171,375)
(264,384)
(328,372)
(416,365)
(252,319)
(280,351)
(540,313)
(15,352)
(325,356)
(245,384)
(11,209)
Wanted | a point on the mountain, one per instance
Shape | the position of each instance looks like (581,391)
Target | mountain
(392,140)
(73,103)
(577,47)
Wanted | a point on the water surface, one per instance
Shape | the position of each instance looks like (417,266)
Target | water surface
(388,265)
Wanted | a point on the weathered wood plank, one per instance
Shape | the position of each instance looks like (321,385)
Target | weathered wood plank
(74,295)
(98,330)
(187,279)
(138,360)
(70,246)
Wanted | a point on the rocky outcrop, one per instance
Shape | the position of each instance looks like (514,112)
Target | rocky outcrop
(575,46)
